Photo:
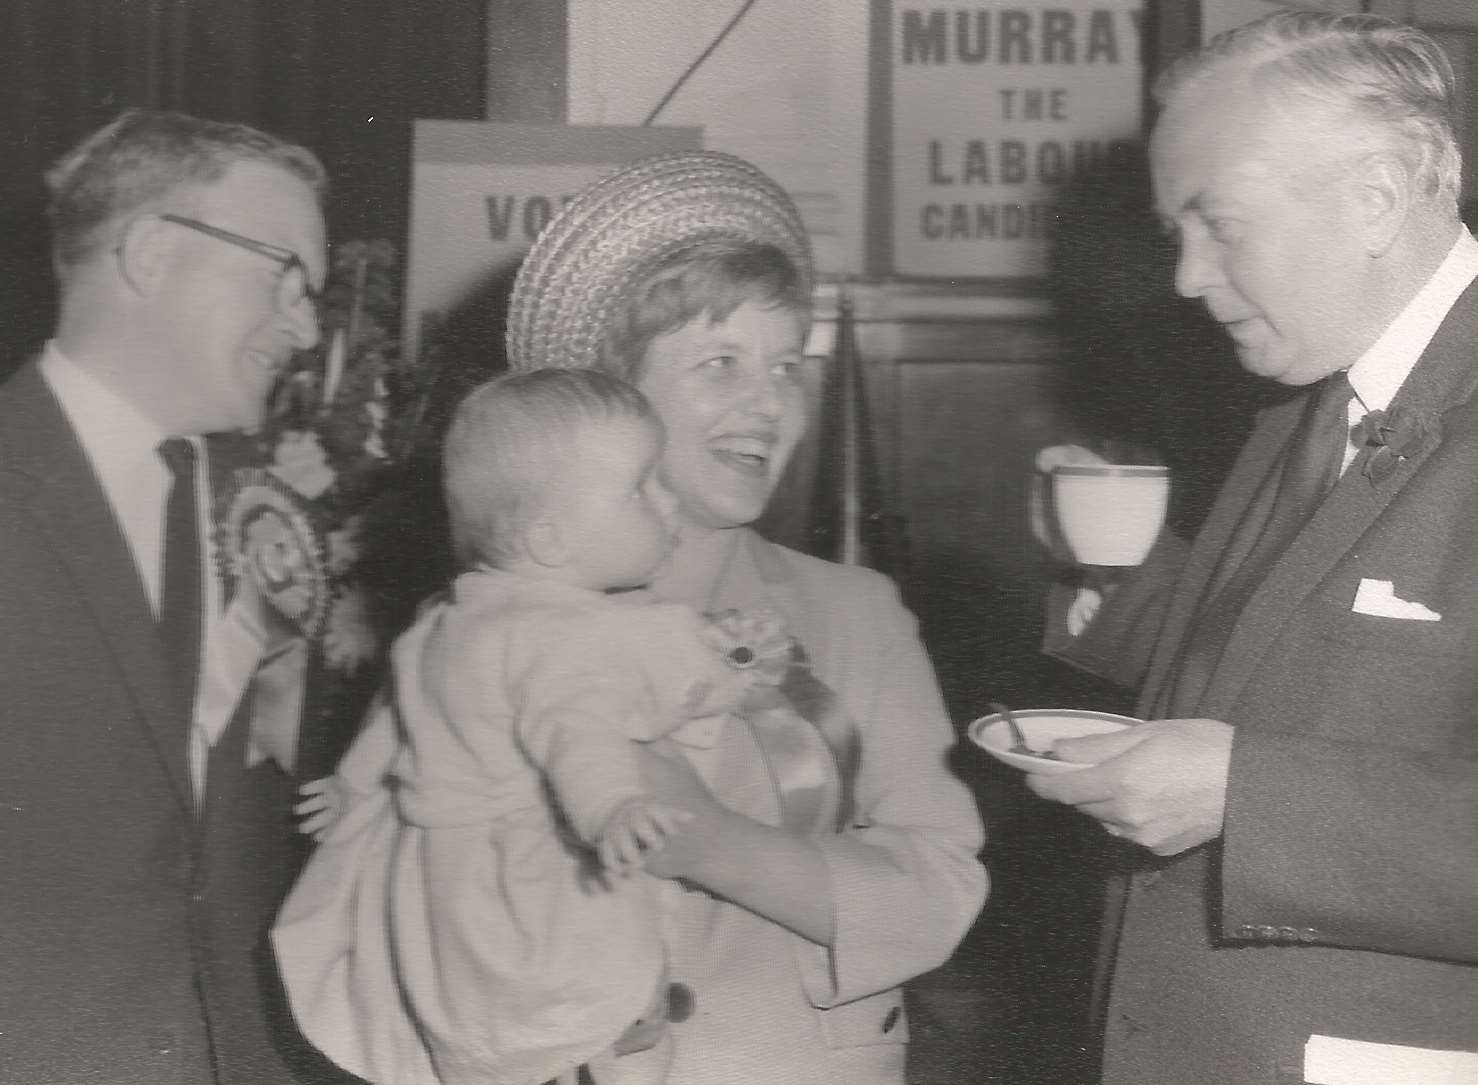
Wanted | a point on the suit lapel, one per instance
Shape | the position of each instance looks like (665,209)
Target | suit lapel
(47,468)
(1444,379)
(1259,455)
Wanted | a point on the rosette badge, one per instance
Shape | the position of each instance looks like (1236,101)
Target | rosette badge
(269,541)
(754,642)
(1394,436)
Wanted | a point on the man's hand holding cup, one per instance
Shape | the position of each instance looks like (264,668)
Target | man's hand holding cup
(1098,515)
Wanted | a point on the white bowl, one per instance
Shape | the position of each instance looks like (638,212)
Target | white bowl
(1042,727)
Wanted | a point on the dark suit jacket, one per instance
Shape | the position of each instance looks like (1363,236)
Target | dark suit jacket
(130,927)
(1342,898)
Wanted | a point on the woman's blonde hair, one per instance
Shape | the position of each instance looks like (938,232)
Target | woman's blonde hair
(710,279)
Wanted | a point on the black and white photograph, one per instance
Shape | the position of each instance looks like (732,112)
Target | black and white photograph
(739,542)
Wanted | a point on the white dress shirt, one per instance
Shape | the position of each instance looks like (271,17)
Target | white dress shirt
(1376,376)
(1379,373)
(122,446)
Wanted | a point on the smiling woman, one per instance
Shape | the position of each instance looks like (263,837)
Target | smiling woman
(689,275)
(730,393)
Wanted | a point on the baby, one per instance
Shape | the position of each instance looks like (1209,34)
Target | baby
(469,915)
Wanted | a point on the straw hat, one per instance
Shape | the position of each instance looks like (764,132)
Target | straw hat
(586,263)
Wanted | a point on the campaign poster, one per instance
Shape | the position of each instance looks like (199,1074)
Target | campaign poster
(995,108)
(481,192)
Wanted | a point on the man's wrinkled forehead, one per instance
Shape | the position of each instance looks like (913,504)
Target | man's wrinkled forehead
(1232,132)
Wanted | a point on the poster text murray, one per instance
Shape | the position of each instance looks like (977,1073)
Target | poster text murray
(1014,36)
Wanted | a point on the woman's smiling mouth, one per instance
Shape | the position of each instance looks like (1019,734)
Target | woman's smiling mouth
(750,455)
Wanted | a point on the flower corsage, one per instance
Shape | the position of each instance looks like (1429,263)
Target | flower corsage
(753,642)
(1393,436)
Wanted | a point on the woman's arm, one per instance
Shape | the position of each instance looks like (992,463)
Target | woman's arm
(906,875)
(891,896)
(367,761)
(773,873)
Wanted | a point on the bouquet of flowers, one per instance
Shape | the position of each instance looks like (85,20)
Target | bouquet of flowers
(294,499)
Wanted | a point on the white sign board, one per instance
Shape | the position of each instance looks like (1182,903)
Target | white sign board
(787,90)
(481,192)
(995,107)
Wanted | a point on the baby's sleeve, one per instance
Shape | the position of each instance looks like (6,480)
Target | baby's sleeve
(575,704)
(683,669)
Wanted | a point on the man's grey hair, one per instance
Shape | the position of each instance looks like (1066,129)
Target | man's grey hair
(139,160)
(1394,77)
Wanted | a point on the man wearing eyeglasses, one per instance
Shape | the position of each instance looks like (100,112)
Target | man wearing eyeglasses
(142,855)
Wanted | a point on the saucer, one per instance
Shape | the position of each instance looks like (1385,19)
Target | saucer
(1042,727)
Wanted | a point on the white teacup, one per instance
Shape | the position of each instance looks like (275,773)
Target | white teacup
(1110,513)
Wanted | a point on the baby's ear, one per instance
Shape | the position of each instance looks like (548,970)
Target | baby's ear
(545,544)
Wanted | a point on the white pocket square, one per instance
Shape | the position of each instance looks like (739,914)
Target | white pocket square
(1378,598)
(1332,1060)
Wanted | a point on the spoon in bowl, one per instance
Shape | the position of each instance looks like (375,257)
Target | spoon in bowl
(1019,745)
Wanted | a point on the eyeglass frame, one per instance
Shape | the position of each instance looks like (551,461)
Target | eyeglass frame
(286,258)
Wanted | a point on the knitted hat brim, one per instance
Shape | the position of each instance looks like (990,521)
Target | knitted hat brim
(585,265)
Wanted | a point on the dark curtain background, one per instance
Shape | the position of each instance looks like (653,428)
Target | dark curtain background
(344,77)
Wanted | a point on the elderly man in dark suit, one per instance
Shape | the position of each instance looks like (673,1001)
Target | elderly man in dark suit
(1305,804)
(141,850)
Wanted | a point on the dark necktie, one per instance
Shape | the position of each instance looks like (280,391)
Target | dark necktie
(1306,472)
(180,589)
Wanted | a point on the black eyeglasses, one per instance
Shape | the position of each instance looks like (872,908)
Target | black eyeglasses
(293,287)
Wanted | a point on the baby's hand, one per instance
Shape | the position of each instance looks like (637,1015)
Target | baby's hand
(324,802)
(637,827)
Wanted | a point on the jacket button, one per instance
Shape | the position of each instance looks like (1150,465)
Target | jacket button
(680,1002)
(892,1019)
